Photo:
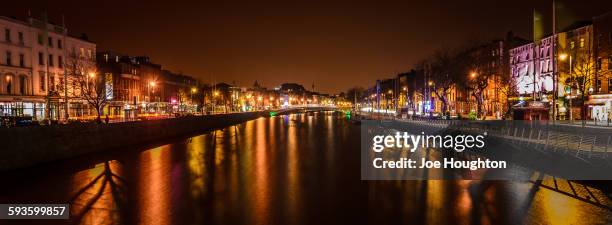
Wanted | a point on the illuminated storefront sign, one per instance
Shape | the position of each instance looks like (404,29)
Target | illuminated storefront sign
(600,112)
(525,84)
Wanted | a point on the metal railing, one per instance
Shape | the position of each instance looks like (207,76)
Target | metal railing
(578,141)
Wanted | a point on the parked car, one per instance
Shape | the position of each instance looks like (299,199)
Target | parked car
(22,121)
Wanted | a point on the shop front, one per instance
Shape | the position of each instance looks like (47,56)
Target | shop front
(599,108)
(530,110)
(22,107)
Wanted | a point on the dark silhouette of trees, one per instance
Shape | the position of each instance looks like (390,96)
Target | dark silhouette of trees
(354,94)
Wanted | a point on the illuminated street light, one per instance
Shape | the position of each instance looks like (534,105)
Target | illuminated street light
(563,56)
(216,93)
(430,83)
(259,98)
(152,83)
(194,90)
(473,74)
(92,75)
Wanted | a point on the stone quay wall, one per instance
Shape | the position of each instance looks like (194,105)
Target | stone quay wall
(28,146)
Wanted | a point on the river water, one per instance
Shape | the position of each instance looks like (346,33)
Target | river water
(292,169)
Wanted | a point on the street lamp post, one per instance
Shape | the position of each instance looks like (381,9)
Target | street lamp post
(563,57)
(473,76)
(215,94)
(91,77)
(259,102)
(430,97)
(392,103)
(569,96)
(149,87)
(193,91)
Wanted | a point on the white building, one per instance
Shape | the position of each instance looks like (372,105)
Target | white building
(527,64)
(33,59)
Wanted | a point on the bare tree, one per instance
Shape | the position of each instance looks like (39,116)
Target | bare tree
(83,82)
(479,70)
(582,78)
(354,93)
(508,86)
(445,69)
(92,90)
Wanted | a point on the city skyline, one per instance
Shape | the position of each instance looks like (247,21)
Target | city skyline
(340,112)
(301,43)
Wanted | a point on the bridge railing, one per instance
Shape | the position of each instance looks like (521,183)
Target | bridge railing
(580,142)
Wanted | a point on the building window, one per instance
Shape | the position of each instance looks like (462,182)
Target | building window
(598,86)
(60,61)
(9,84)
(7,35)
(41,58)
(50,41)
(51,82)
(42,78)
(610,62)
(40,39)
(60,85)
(50,59)
(609,85)
(22,85)
(20,37)
(21,60)
(9,58)
(106,57)
(598,64)
(572,45)
(59,44)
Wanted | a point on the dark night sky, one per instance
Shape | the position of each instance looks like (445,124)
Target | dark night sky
(335,45)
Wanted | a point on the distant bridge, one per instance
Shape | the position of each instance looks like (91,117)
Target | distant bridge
(309,108)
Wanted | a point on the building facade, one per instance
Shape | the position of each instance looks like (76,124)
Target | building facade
(35,56)
(600,101)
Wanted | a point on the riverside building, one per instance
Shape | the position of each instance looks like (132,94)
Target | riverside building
(34,56)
